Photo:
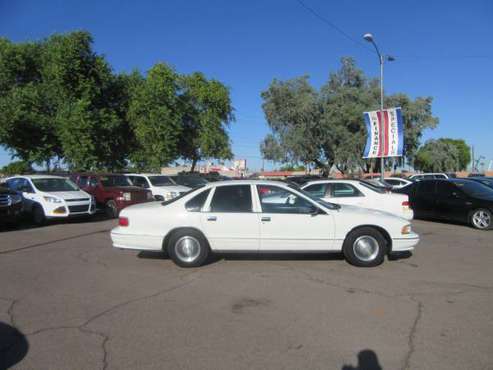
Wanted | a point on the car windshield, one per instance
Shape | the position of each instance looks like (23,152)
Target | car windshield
(54,184)
(115,180)
(160,180)
(315,199)
(376,189)
(475,189)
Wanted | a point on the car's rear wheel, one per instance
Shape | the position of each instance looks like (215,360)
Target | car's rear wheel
(481,219)
(365,247)
(188,248)
(39,217)
(110,209)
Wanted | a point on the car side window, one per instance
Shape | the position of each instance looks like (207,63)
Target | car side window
(274,199)
(197,202)
(139,181)
(341,190)
(93,182)
(393,182)
(426,188)
(83,181)
(447,190)
(317,190)
(24,186)
(233,199)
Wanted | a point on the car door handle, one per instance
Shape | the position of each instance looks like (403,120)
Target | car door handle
(265,219)
(212,218)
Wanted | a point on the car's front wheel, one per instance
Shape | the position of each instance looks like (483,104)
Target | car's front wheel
(365,247)
(39,217)
(188,248)
(110,209)
(481,219)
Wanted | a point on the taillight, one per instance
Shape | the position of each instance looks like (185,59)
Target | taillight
(405,203)
(123,221)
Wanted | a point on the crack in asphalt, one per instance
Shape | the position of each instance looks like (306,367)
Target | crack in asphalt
(32,246)
(105,338)
(412,336)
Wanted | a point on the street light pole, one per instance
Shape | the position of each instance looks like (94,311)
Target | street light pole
(381,59)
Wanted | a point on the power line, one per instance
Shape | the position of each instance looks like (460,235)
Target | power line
(333,26)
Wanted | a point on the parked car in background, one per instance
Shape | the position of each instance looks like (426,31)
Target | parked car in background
(303,179)
(162,187)
(10,206)
(429,176)
(238,216)
(397,182)
(51,197)
(360,193)
(113,192)
(189,180)
(485,180)
(214,176)
(460,200)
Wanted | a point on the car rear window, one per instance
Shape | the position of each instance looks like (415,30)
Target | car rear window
(197,202)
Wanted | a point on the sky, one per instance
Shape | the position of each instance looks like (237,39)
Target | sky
(443,49)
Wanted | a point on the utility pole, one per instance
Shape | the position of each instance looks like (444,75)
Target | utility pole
(381,59)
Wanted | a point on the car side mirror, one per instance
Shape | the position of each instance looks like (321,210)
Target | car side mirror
(314,211)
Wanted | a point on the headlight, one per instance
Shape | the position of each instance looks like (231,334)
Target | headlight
(127,196)
(52,200)
(170,195)
(406,230)
(16,199)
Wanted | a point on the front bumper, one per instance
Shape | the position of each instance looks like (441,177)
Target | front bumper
(405,243)
(70,210)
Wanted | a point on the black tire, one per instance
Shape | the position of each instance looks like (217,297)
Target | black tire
(110,209)
(188,248)
(481,219)
(39,217)
(365,247)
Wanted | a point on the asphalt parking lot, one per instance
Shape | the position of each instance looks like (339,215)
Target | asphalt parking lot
(77,303)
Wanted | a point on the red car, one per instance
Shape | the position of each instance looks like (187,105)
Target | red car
(113,192)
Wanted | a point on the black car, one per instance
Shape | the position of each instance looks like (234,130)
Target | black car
(10,206)
(460,200)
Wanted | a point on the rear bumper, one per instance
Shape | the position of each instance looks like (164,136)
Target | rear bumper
(405,244)
(125,240)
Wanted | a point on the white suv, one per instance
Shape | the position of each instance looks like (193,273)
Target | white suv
(52,197)
(161,186)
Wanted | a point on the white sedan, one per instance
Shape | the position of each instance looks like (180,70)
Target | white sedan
(362,194)
(239,216)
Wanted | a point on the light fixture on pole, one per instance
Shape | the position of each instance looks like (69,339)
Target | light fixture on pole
(381,59)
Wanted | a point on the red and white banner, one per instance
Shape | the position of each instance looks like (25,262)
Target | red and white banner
(385,133)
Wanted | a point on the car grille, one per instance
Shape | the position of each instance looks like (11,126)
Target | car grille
(4,200)
(77,200)
(81,208)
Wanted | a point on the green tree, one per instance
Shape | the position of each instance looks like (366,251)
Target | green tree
(156,119)
(437,156)
(58,99)
(464,151)
(326,127)
(207,112)
(16,168)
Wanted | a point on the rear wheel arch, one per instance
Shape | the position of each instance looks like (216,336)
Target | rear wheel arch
(181,229)
(380,229)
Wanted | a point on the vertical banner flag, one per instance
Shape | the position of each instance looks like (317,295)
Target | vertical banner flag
(385,133)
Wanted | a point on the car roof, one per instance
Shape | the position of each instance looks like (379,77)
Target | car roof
(36,177)
(247,182)
(334,180)
(145,174)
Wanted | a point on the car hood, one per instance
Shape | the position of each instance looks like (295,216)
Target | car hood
(171,188)
(128,189)
(68,194)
